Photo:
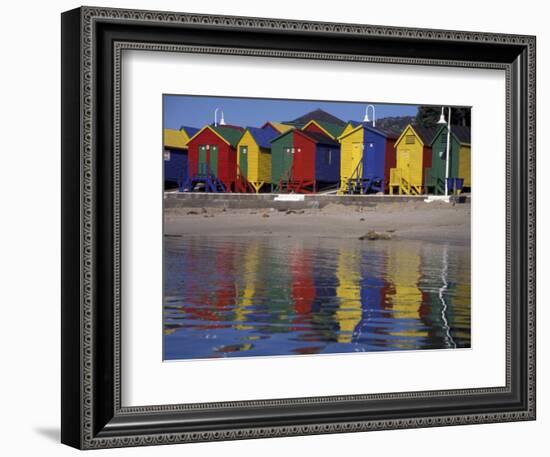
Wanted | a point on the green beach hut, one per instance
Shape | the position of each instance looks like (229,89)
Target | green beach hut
(459,166)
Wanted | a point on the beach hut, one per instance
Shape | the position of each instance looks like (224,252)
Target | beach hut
(459,161)
(213,158)
(254,158)
(304,162)
(413,156)
(366,157)
(175,155)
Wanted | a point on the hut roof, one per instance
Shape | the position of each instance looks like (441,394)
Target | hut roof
(261,136)
(316,115)
(280,127)
(356,125)
(459,132)
(228,133)
(316,137)
(231,133)
(190,131)
(426,134)
(175,138)
(331,129)
(462,133)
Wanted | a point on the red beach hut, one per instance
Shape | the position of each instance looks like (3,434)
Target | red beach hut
(316,161)
(213,158)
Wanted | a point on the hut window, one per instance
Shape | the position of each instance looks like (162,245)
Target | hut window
(167,156)
(409,139)
(329,156)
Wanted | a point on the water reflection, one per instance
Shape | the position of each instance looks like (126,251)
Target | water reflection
(227,297)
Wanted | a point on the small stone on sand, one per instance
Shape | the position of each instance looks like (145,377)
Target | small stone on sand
(371,235)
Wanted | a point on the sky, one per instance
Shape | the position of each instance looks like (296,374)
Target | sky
(197,111)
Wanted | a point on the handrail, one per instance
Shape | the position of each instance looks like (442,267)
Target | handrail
(242,178)
(286,177)
(356,175)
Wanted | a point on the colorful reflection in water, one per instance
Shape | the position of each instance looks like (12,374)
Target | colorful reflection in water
(233,297)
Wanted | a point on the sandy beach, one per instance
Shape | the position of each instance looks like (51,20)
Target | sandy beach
(411,220)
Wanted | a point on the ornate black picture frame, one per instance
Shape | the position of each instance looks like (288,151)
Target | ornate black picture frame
(92,42)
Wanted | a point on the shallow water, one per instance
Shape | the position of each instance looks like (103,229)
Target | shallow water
(238,296)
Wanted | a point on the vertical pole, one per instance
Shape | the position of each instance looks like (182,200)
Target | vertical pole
(448,155)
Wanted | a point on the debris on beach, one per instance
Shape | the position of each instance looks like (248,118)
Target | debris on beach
(390,230)
(204,210)
(265,215)
(191,213)
(362,219)
(290,211)
(371,235)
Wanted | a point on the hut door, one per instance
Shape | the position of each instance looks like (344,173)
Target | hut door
(214,159)
(202,165)
(287,161)
(243,160)
(406,164)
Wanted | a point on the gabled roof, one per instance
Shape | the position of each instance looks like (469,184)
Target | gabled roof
(175,139)
(230,134)
(261,136)
(190,131)
(425,134)
(282,135)
(332,130)
(316,137)
(280,127)
(364,125)
(316,115)
(459,132)
(462,133)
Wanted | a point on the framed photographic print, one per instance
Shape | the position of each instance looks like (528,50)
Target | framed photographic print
(273,227)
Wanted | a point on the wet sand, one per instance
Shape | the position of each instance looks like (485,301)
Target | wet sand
(435,221)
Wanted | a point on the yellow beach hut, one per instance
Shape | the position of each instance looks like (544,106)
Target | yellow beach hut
(254,157)
(413,157)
